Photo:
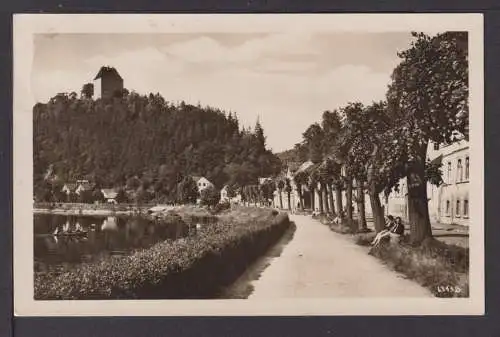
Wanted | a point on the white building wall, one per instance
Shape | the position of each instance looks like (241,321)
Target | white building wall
(449,202)
(453,195)
(203,183)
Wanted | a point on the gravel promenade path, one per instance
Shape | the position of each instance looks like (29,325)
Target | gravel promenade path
(320,263)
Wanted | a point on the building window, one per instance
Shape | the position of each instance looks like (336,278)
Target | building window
(466,168)
(449,173)
(457,213)
(447,207)
(466,208)
(459,170)
(436,146)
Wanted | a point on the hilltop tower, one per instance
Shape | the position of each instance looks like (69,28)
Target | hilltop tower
(107,82)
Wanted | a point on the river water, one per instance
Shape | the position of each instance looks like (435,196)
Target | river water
(62,242)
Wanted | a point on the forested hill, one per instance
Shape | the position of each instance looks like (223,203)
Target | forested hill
(144,140)
(298,154)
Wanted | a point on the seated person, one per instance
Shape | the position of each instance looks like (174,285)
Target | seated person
(338,220)
(398,229)
(389,224)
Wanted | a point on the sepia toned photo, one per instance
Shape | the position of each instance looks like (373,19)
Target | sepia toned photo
(248,164)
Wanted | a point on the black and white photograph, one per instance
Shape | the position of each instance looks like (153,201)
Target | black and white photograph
(248,164)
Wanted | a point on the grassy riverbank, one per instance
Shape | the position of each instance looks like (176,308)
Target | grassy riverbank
(88,209)
(118,209)
(193,267)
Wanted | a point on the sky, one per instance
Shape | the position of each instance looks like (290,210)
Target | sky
(285,80)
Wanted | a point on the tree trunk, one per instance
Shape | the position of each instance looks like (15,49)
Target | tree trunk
(377,210)
(338,198)
(312,199)
(418,208)
(301,201)
(325,198)
(289,202)
(330,199)
(348,198)
(320,200)
(361,206)
(281,200)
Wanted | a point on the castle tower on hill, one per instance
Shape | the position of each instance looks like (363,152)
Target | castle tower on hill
(107,82)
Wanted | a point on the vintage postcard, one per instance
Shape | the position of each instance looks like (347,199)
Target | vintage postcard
(201,165)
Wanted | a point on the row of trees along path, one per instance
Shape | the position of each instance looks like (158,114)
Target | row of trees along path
(372,147)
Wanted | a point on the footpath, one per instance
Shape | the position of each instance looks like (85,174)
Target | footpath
(320,263)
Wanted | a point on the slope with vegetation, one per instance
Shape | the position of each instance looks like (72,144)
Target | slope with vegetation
(142,144)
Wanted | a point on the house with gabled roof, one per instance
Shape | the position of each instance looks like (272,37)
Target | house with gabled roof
(263,180)
(84,185)
(291,170)
(202,183)
(69,188)
(110,195)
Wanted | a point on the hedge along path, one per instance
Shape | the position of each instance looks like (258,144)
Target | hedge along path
(195,267)
(321,263)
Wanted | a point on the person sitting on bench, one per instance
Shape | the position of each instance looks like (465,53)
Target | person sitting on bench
(338,220)
(398,229)
(389,224)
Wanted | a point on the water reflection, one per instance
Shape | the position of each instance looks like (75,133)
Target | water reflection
(62,241)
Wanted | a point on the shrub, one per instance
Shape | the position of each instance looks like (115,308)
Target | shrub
(210,196)
(365,239)
(193,267)
(343,228)
(222,206)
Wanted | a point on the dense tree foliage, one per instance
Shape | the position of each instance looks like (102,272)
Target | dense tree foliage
(428,99)
(379,144)
(300,179)
(144,144)
(267,189)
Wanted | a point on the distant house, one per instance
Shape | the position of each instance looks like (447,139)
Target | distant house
(50,174)
(69,188)
(202,183)
(262,181)
(292,169)
(107,82)
(304,167)
(110,195)
(84,185)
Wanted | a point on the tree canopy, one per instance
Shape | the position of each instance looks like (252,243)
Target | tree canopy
(380,143)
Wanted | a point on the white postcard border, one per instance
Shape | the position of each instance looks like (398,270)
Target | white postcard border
(27,25)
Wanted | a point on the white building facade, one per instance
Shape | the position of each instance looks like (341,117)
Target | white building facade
(202,183)
(449,202)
